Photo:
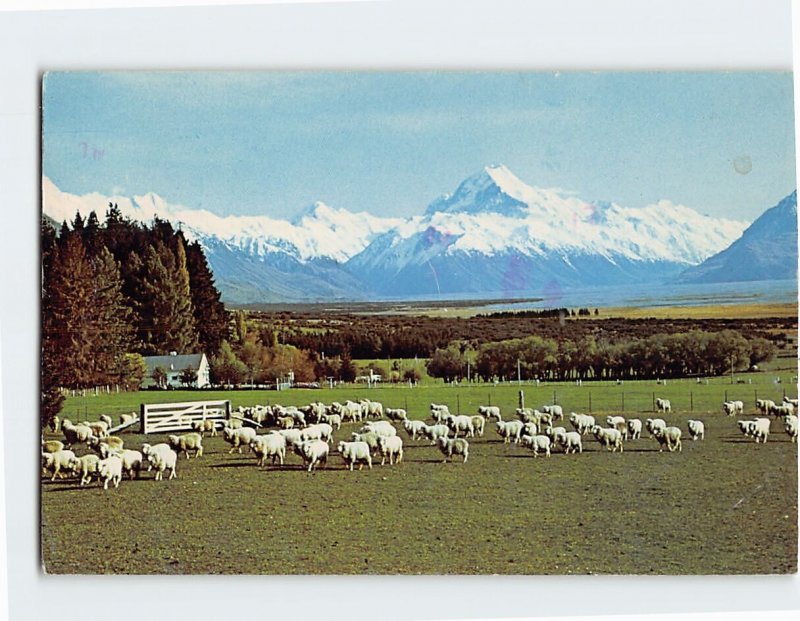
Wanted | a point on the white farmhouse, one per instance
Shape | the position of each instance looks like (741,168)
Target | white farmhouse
(174,366)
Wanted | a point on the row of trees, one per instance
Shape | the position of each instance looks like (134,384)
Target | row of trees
(115,291)
(661,355)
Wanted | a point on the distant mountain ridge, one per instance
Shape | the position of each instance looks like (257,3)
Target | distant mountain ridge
(767,250)
(494,235)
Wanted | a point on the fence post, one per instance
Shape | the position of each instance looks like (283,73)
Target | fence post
(142,417)
(726,395)
(755,392)
(555,398)
(521,399)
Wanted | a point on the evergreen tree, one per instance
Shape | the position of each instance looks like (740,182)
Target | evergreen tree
(77,222)
(209,312)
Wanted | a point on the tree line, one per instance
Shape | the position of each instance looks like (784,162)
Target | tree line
(692,353)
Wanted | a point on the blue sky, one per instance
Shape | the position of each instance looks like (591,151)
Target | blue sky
(390,143)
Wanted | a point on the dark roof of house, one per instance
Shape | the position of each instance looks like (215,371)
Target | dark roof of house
(173,363)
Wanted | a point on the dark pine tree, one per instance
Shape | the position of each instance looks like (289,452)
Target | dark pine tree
(209,312)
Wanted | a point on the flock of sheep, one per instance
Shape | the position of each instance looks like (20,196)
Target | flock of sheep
(308,433)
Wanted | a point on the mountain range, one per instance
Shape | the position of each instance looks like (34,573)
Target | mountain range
(493,236)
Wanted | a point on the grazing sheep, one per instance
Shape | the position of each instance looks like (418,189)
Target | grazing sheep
(232,423)
(489,411)
(786,409)
(55,424)
(509,430)
(453,446)
(582,423)
(696,429)
(555,410)
(634,428)
(381,428)
(371,438)
(537,444)
(556,434)
(107,420)
(201,426)
(51,446)
(608,437)
(792,402)
(571,442)
(272,445)
(238,437)
(478,424)
(663,405)
(187,442)
(618,423)
(58,462)
(355,453)
(392,447)
(161,457)
(352,411)
(758,429)
(397,414)
(439,412)
(458,423)
(531,429)
(669,437)
(85,467)
(434,432)
(132,462)
(654,424)
(75,434)
(790,426)
(313,452)
(110,469)
(528,415)
(103,445)
(291,436)
(285,422)
(414,428)
(372,409)
(765,405)
(334,420)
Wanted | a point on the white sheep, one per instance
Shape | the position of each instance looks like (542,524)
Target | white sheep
(164,458)
(391,447)
(663,405)
(696,429)
(531,429)
(355,453)
(272,445)
(478,424)
(107,420)
(790,427)
(414,428)
(132,462)
(106,444)
(453,446)
(537,444)
(792,402)
(51,446)
(490,411)
(618,423)
(334,420)
(371,438)
(55,424)
(765,405)
(75,434)
(582,423)
(291,436)
(556,434)
(608,437)
(439,412)
(572,442)
(654,424)
(459,423)
(785,409)
(760,430)
(398,414)
(434,432)
(318,431)
(85,467)
(556,410)
(125,419)
(110,469)
(669,437)
(187,442)
(380,427)
(201,426)
(238,437)
(313,452)
(58,462)
(509,430)
(634,428)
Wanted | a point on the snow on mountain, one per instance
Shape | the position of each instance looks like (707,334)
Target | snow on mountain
(493,234)
(494,223)
(767,250)
(320,233)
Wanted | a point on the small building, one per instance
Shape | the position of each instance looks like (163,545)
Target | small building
(174,367)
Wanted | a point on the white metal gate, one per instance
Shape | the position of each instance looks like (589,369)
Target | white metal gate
(164,417)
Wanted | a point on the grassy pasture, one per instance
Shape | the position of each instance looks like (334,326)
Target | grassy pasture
(724,505)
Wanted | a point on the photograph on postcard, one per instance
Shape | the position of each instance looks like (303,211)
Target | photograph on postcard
(418,323)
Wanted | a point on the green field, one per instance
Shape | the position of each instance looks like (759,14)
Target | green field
(723,505)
